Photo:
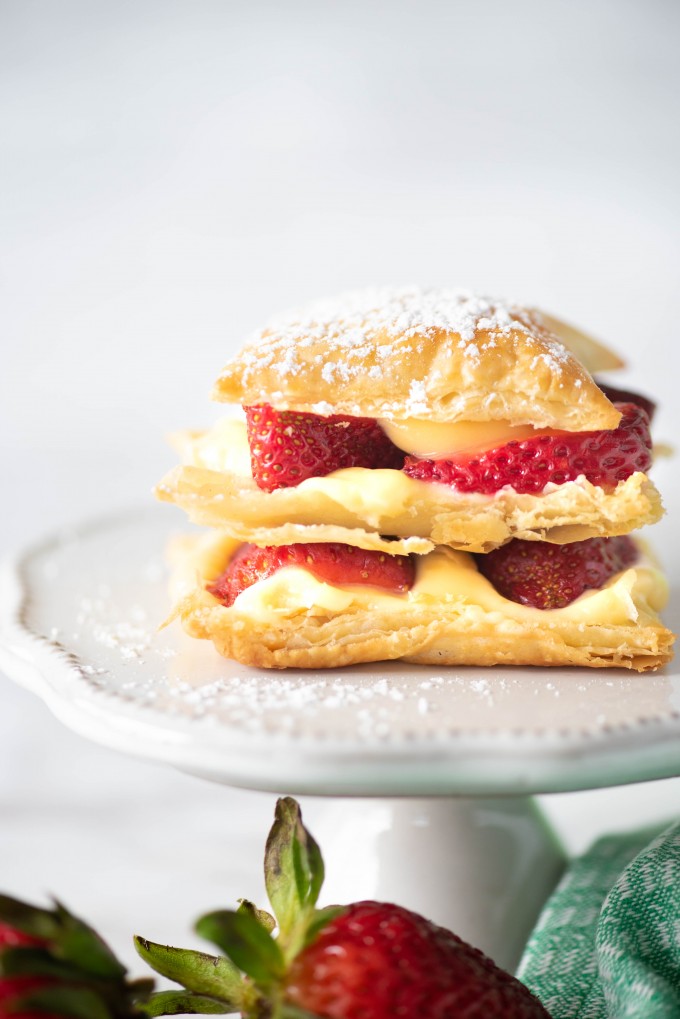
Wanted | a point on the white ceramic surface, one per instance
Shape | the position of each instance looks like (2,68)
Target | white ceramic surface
(481,867)
(79,626)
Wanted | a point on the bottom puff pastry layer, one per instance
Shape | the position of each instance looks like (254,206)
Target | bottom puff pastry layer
(451,616)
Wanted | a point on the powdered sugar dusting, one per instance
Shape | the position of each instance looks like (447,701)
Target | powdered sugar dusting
(417,399)
(369,323)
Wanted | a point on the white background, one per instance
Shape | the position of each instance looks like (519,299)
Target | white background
(171,173)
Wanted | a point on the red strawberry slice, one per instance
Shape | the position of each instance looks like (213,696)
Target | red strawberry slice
(604,457)
(549,576)
(627,396)
(379,961)
(287,446)
(330,561)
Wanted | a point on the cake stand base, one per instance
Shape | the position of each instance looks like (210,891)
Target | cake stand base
(481,867)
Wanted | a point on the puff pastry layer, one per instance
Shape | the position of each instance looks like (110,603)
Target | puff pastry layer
(451,616)
(439,355)
(357,505)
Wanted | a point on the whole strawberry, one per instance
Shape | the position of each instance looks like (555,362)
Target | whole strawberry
(14,991)
(12,937)
(379,960)
(370,960)
(54,966)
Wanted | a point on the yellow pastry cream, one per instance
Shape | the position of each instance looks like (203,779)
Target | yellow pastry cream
(446,577)
(436,440)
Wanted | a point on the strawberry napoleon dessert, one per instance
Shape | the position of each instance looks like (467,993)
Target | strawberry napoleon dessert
(423,475)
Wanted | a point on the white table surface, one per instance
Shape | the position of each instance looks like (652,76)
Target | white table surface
(174,172)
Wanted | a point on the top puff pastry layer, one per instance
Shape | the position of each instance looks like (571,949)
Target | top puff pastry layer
(441,355)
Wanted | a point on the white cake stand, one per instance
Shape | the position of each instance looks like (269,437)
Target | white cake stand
(444,760)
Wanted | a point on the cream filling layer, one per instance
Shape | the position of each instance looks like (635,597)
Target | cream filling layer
(223,448)
(435,440)
(449,578)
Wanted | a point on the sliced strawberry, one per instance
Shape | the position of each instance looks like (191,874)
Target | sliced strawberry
(330,561)
(627,396)
(287,446)
(549,576)
(605,458)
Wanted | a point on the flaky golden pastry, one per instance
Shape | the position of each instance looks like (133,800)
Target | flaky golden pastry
(452,616)
(358,505)
(436,355)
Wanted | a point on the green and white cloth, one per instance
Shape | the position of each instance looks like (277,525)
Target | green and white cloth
(607,944)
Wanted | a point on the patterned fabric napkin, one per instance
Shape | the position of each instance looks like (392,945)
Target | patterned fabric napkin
(607,944)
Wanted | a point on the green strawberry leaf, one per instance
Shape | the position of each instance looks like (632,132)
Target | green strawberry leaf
(293,866)
(261,915)
(246,942)
(196,971)
(320,919)
(15,962)
(293,1012)
(69,938)
(183,1003)
(40,923)
(74,1002)
(80,945)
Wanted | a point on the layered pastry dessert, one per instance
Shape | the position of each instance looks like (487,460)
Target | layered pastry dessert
(425,475)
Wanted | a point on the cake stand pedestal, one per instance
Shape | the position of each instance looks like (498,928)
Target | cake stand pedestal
(483,867)
(426,775)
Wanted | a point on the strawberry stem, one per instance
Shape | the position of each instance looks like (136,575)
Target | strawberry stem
(293,870)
